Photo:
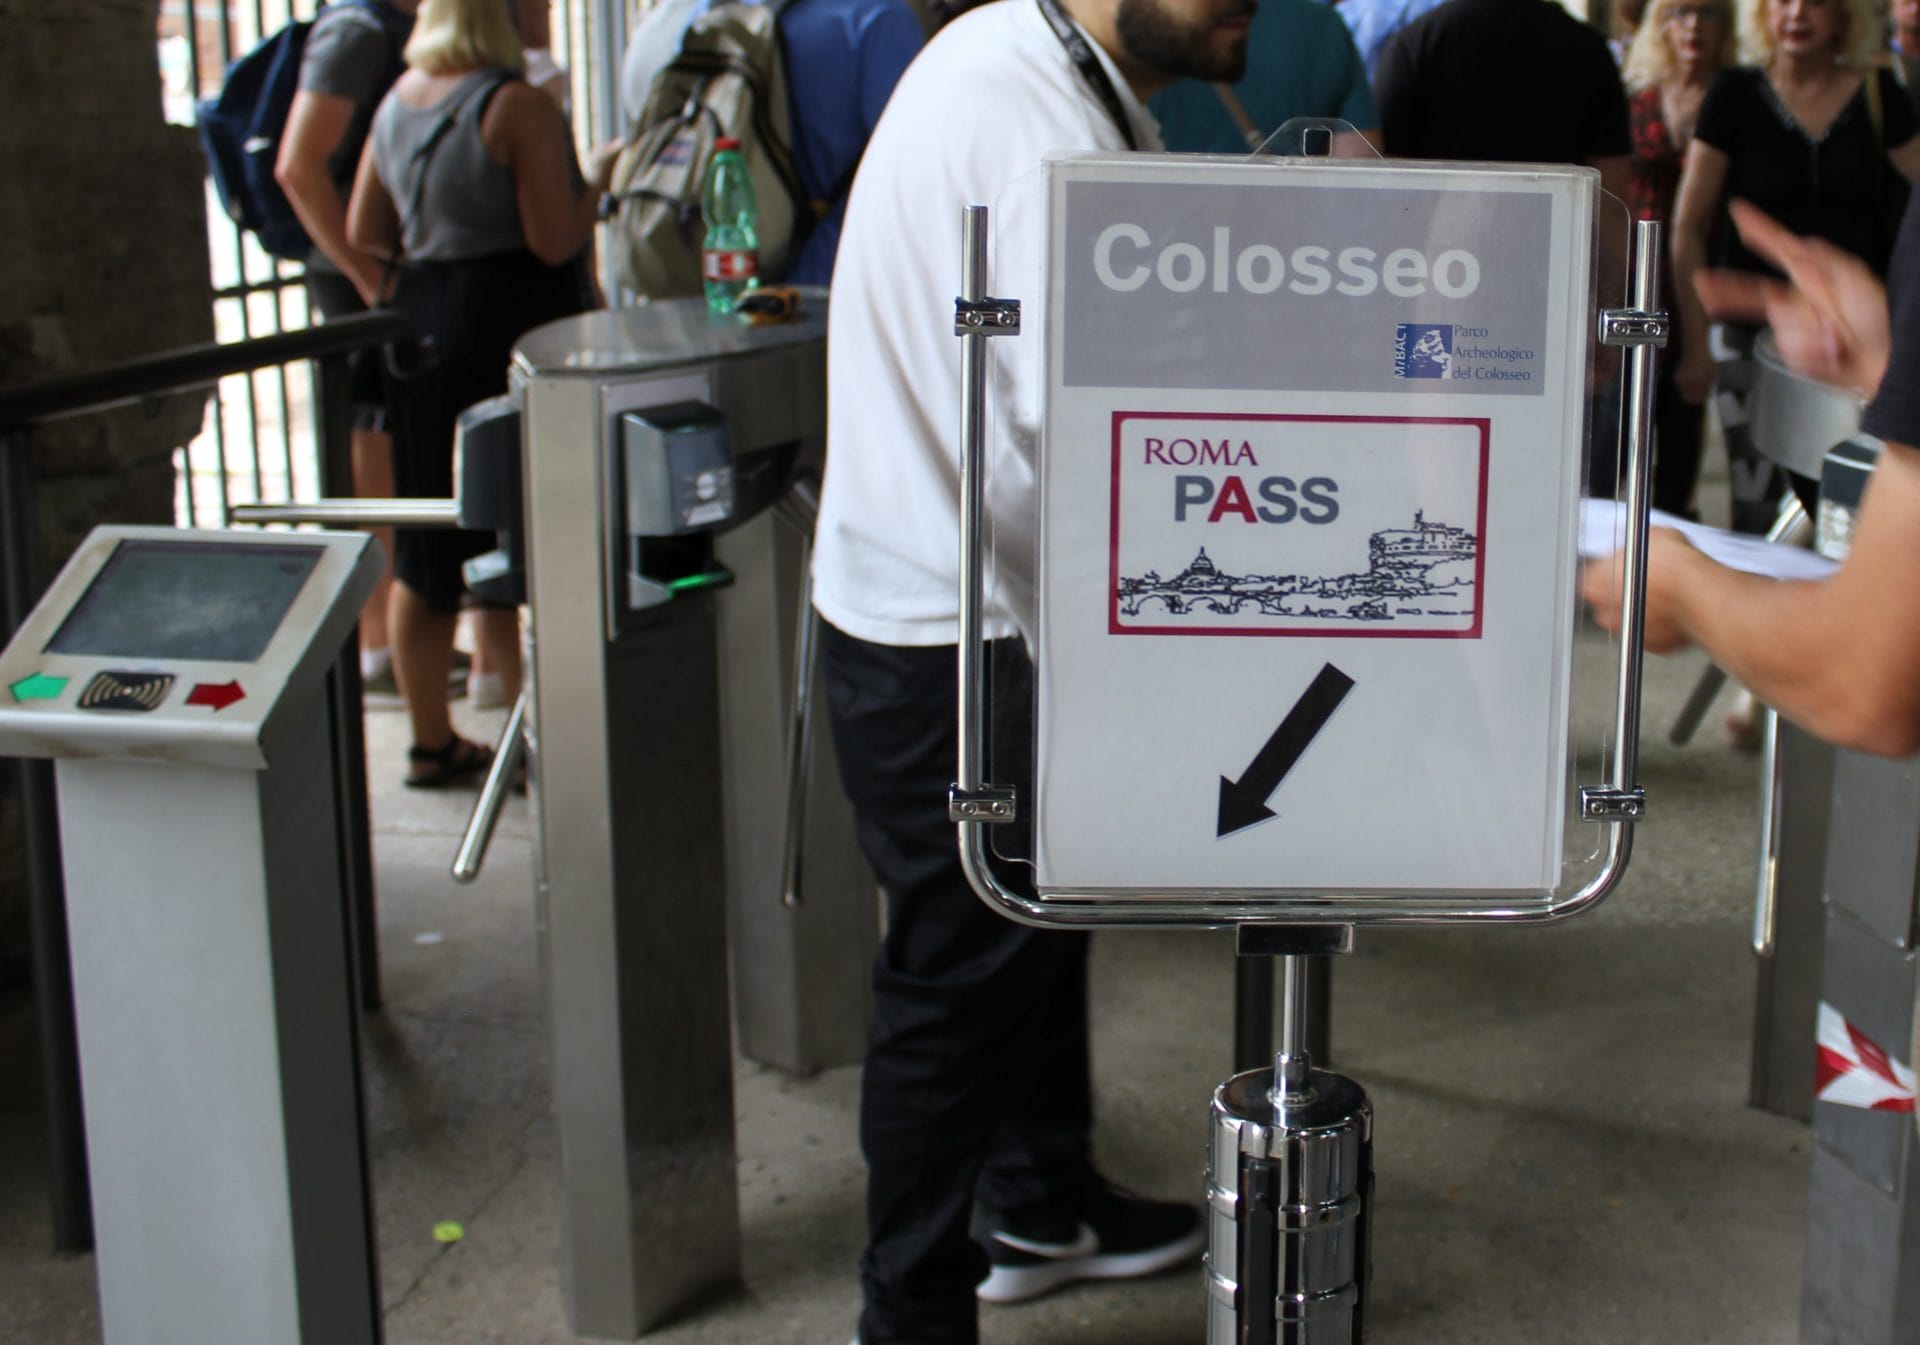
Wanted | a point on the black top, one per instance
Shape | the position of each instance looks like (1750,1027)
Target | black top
(1839,187)
(1894,412)
(1514,81)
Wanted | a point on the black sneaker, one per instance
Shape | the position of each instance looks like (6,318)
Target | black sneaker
(1113,1235)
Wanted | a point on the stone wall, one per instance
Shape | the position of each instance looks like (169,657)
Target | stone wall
(103,258)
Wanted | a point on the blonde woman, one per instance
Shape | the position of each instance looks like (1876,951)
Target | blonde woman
(1801,136)
(469,182)
(1677,50)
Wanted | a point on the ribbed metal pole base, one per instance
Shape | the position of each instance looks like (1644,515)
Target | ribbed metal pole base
(1289,1190)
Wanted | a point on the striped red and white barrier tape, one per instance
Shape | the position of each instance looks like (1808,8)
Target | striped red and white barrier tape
(1854,1071)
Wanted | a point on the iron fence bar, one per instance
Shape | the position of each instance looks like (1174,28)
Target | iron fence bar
(46,887)
(246,287)
(286,401)
(189,367)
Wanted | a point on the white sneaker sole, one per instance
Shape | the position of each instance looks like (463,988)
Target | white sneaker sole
(1017,1284)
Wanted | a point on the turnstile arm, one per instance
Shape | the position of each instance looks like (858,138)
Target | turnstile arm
(507,755)
(800,506)
(355,513)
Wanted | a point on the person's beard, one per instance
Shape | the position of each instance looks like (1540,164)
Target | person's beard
(1161,42)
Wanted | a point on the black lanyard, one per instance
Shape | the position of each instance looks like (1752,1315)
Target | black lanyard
(1080,52)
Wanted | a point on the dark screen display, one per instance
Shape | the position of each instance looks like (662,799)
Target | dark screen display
(186,600)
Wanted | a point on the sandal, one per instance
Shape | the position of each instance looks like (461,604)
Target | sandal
(458,761)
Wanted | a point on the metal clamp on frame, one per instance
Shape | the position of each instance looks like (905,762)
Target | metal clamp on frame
(986,317)
(989,804)
(1630,327)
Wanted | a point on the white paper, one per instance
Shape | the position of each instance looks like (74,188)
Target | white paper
(1603,530)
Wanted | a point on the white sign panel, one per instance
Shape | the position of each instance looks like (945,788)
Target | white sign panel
(1307,563)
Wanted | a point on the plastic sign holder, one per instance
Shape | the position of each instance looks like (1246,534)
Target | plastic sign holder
(1408,671)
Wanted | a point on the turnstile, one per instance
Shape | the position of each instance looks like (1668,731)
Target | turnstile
(1793,423)
(665,672)
(178,679)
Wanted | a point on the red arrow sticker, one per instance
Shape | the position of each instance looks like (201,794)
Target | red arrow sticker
(218,695)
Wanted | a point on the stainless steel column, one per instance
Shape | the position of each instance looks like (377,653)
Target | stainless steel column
(633,930)
(801,901)
(1863,1218)
(1790,920)
(1289,1187)
(626,749)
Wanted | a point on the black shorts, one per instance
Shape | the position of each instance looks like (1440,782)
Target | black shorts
(333,296)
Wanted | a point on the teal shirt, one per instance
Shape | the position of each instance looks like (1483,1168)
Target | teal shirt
(1301,62)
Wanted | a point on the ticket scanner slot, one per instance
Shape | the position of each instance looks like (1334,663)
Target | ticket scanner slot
(684,478)
(676,490)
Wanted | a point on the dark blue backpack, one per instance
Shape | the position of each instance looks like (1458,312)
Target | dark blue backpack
(240,129)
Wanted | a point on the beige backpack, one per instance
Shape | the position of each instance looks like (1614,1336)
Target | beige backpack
(729,79)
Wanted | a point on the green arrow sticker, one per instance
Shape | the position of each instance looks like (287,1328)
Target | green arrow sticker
(39,687)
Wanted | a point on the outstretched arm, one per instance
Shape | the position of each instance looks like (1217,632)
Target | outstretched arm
(1838,656)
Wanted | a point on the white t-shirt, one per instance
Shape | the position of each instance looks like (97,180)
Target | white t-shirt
(991,95)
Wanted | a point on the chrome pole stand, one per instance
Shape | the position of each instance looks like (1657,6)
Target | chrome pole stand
(1289,1178)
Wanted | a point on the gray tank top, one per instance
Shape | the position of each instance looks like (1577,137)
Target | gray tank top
(465,207)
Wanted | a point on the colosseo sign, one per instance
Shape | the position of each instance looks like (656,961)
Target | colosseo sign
(1311,457)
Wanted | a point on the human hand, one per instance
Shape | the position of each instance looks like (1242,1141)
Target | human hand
(1830,319)
(1668,556)
(600,163)
(1695,373)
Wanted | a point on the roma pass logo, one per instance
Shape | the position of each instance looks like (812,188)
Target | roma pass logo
(1250,524)
(1423,350)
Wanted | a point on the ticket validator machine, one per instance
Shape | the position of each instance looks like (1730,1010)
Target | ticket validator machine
(670,460)
(178,679)
(1304,600)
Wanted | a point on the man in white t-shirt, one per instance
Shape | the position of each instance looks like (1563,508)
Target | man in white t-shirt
(976,1107)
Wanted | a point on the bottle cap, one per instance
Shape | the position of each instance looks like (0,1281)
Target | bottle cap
(725,142)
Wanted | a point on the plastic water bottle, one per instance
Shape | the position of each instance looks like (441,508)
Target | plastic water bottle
(730,256)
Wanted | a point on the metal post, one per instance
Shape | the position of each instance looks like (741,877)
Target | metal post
(1289,1176)
(1291,1064)
(973,401)
(348,709)
(46,890)
(1253,1011)
(1639,484)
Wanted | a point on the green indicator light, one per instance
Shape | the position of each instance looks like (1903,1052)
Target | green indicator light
(705,579)
(38,687)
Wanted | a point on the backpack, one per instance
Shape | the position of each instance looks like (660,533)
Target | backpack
(240,129)
(729,79)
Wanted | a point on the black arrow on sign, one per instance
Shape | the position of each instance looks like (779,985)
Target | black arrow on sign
(1244,801)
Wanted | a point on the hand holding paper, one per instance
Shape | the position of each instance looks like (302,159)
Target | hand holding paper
(1675,546)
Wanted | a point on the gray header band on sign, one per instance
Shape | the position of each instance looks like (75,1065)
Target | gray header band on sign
(1266,286)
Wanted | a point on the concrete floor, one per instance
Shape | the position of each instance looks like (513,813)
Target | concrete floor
(1562,1146)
